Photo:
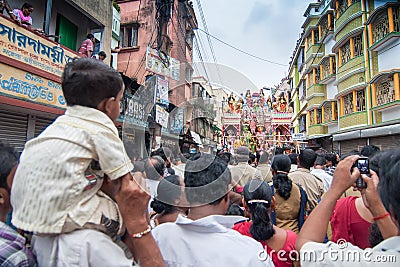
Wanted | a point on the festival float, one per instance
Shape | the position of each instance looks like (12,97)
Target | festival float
(257,120)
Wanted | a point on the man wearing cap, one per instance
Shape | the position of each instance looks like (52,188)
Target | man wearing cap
(243,172)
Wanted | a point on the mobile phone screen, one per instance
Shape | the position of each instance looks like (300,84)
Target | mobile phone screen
(363,165)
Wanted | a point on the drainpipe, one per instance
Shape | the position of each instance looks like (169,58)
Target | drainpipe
(46,22)
(364,9)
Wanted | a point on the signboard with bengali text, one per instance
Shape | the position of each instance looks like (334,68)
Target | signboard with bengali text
(22,45)
(24,85)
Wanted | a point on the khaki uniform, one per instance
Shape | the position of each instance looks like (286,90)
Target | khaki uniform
(310,183)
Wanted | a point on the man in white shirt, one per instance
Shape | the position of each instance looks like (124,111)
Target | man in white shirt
(154,168)
(309,242)
(319,171)
(205,237)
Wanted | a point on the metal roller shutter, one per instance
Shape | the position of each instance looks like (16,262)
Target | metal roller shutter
(349,145)
(13,127)
(41,124)
(386,142)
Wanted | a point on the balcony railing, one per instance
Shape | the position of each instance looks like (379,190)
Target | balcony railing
(385,92)
(328,112)
(381,25)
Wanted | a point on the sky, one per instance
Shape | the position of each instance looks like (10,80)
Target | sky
(266,28)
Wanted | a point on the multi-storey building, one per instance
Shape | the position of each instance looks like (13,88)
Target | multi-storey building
(204,113)
(351,74)
(156,41)
(31,63)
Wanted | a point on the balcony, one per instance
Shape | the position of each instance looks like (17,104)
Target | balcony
(384,26)
(316,90)
(353,119)
(385,91)
(317,129)
(316,50)
(346,13)
(354,64)
(315,101)
(328,72)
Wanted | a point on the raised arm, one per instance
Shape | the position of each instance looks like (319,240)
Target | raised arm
(315,227)
(133,201)
(374,203)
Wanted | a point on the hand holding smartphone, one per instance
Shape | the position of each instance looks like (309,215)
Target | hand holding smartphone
(363,166)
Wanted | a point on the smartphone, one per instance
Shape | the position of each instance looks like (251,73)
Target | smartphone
(363,167)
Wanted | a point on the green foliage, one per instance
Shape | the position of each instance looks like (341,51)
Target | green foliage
(116,6)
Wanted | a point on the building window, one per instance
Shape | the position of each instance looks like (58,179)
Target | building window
(324,26)
(380,27)
(312,117)
(316,36)
(348,104)
(396,18)
(189,39)
(328,112)
(345,52)
(343,5)
(319,116)
(317,75)
(129,35)
(302,123)
(358,47)
(302,90)
(385,91)
(360,100)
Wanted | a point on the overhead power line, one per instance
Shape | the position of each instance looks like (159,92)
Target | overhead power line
(242,51)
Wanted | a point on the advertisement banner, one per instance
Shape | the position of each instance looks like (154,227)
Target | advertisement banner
(162,65)
(176,121)
(162,91)
(161,116)
(23,85)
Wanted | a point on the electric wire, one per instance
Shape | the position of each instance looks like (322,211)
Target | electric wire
(242,51)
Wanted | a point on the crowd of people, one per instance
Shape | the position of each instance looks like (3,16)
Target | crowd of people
(78,200)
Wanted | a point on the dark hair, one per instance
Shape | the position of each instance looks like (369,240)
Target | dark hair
(369,150)
(138,166)
(279,150)
(102,53)
(163,152)
(282,183)
(264,156)
(154,168)
(206,179)
(293,158)
(374,162)
(389,181)
(332,157)
(89,36)
(8,159)
(307,158)
(225,156)
(262,227)
(26,5)
(234,209)
(87,82)
(321,161)
(171,171)
(345,155)
(168,191)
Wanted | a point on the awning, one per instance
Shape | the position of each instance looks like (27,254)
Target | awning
(196,138)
